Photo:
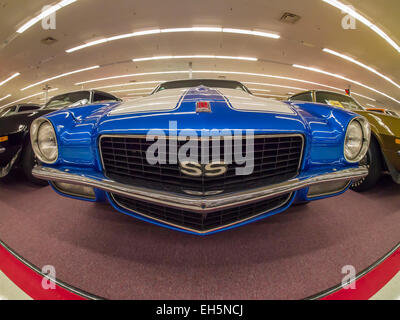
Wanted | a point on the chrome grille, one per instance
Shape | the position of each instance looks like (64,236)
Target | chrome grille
(276,159)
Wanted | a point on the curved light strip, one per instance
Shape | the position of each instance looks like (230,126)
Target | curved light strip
(10,78)
(303,89)
(171,30)
(128,90)
(60,76)
(4,98)
(194,57)
(139,94)
(266,76)
(128,84)
(361,65)
(44,14)
(205,71)
(130,75)
(271,95)
(365,97)
(275,85)
(28,97)
(263,90)
(346,79)
(369,24)
(212,71)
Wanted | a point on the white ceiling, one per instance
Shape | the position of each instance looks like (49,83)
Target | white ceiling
(300,43)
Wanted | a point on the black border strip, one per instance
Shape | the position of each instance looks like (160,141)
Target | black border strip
(338,287)
(58,282)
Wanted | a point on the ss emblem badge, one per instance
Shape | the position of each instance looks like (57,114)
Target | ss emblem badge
(195,169)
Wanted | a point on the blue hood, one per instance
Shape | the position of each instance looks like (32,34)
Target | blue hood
(78,129)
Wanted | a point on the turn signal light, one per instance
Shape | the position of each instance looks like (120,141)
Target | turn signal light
(4,139)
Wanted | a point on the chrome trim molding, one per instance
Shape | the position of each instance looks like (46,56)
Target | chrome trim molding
(205,231)
(197,204)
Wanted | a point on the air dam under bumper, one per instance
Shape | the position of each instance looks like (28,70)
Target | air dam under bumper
(198,204)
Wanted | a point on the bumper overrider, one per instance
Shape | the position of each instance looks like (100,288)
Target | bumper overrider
(327,183)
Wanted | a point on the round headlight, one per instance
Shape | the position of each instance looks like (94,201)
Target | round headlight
(44,141)
(357,140)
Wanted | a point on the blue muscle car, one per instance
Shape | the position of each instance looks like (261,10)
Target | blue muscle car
(200,155)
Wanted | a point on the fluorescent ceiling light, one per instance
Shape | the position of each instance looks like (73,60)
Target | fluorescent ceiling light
(347,9)
(373,106)
(193,29)
(130,75)
(194,57)
(28,97)
(128,84)
(174,30)
(10,78)
(346,79)
(266,76)
(119,37)
(365,97)
(303,89)
(253,33)
(44,14)
(264,90)
(361,65)
(275,85)
(212,72)
(60,76)
(271,95)
(128,90)
(138,94)
(4,98)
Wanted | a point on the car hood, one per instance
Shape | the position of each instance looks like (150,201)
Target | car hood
(173,112)
(382,123)
(20,121)
(229,108)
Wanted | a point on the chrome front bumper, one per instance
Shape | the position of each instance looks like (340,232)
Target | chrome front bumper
(192,203)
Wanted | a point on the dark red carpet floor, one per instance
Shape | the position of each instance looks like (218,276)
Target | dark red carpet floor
(289,256)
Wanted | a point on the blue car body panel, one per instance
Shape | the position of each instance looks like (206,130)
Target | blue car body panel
(78,131)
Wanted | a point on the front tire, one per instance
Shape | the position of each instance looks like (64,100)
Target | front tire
(28,162)
(373,161)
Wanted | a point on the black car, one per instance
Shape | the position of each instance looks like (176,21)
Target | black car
(15,145)
(18,108)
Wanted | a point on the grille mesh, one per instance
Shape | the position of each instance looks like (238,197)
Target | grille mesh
(276,159)
(201,222)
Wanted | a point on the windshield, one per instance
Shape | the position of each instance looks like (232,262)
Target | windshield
(228,84)
(338,100)
(65,100)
